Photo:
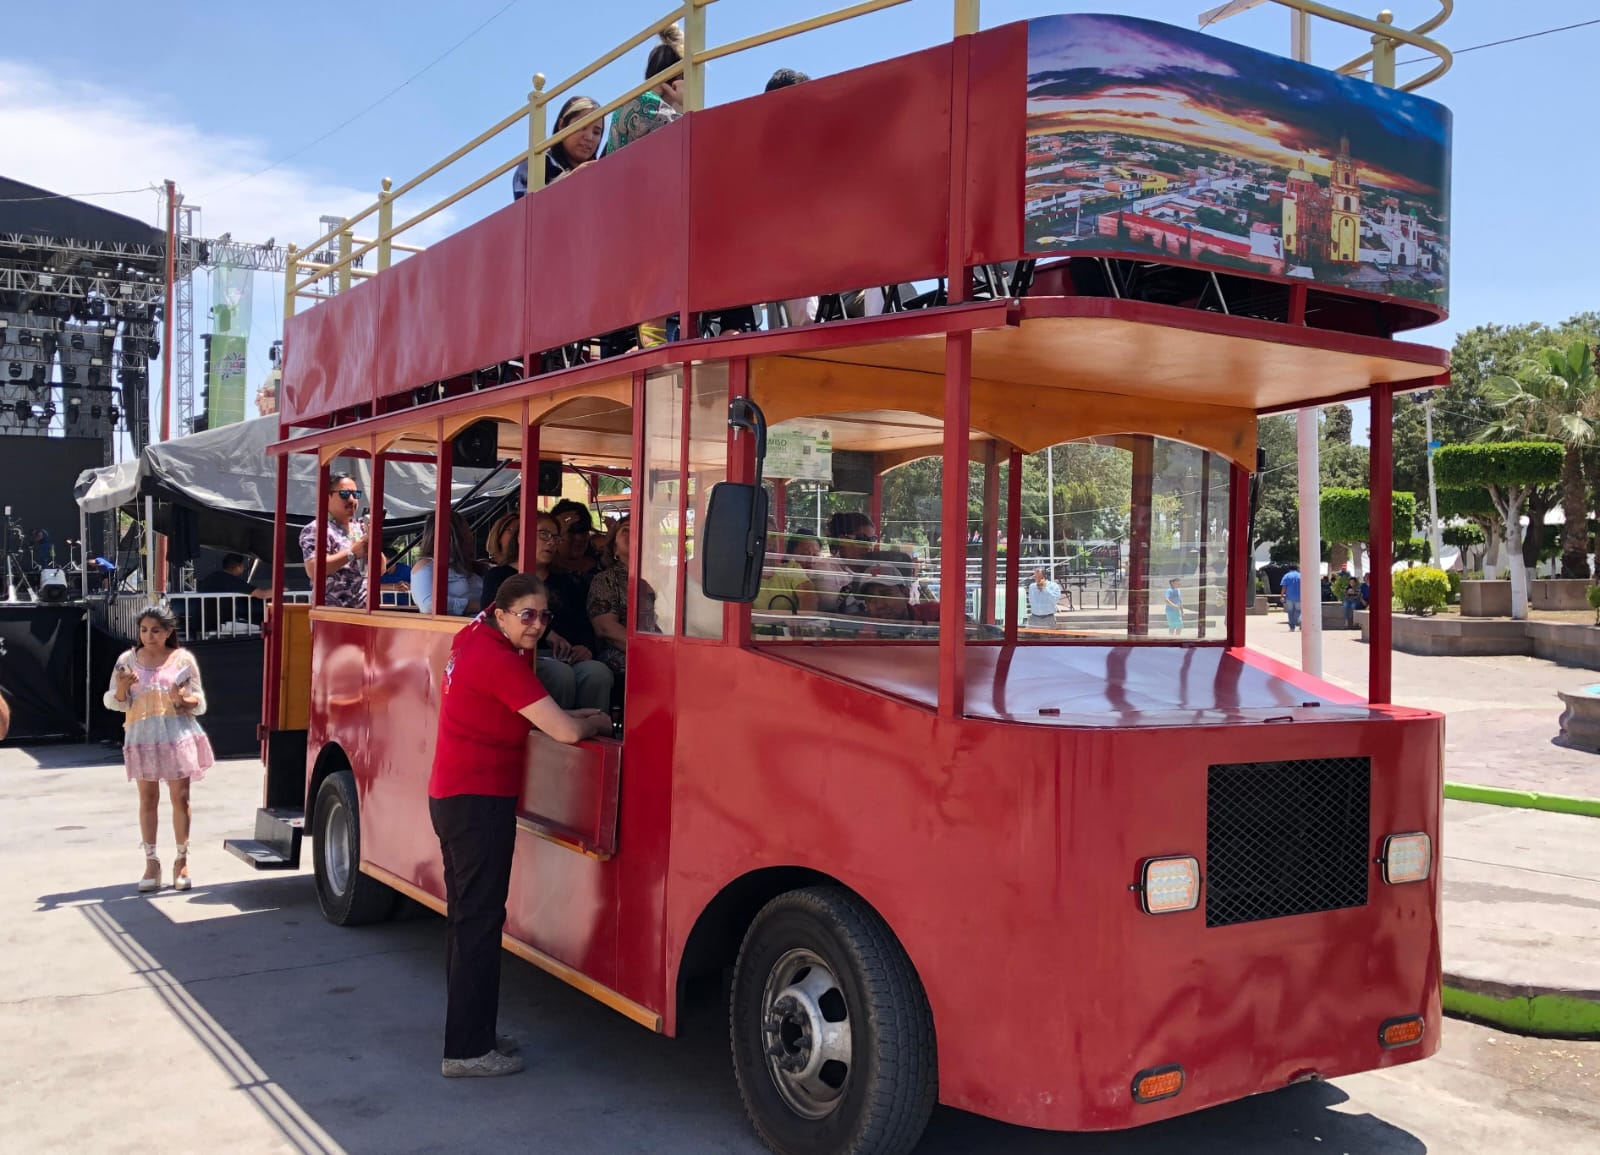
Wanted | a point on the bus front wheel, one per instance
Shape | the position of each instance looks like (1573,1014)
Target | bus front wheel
(833,1043)
(347,897)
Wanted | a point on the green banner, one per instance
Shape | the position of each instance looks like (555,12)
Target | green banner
(230,344)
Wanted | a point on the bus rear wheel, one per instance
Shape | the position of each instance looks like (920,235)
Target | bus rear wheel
(833,1044)
(347,897)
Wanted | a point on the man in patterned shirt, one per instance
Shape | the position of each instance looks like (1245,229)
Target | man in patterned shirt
(345,562)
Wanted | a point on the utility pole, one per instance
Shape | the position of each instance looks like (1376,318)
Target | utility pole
(1433,494)
(1050,506)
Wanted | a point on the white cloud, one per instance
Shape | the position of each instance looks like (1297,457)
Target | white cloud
(75,137)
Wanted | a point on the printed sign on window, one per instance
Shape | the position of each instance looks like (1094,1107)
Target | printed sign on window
(800,451)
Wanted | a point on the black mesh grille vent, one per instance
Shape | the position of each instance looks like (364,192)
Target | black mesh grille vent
(1286,838)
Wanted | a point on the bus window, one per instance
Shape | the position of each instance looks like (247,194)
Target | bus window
(708,464)
(853,547)
(1132,530)
(656,542)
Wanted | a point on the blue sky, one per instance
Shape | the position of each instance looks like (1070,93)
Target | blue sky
(112,97)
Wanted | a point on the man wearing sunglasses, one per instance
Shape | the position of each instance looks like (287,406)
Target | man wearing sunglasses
(344,558)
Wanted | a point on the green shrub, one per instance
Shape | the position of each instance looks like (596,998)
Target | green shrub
(1594,603)
(1421,590)
(1463,536)
(1455,587)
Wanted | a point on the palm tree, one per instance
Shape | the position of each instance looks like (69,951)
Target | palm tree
(1555,396)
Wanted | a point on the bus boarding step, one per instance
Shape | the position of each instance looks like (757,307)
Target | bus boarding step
(276,845)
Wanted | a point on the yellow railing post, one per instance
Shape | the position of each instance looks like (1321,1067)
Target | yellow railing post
(536,133)
(291,275)
(1383,54)
(345,241)
(385,224)
(694,47)
(966,17)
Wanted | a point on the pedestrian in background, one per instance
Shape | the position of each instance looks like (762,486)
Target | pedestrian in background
(1174,600)
(1044,596)
(1289,586)
(157,685)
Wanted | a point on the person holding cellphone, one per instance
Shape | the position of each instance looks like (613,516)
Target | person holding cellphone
(157,685)
(489,700)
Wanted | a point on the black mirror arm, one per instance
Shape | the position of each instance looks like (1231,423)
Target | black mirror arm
(746,416)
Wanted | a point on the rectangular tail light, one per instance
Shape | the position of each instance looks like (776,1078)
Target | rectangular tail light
(1407,858)
(1167,885)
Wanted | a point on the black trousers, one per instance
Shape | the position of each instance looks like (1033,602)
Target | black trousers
(477,833)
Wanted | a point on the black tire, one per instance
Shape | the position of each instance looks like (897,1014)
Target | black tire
(347,897)
(820,958)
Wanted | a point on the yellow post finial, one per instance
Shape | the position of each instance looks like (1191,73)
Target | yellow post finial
(536,133)
(1383,53)
(385,224)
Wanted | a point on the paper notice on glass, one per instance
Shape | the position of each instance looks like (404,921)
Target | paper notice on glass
(800,451)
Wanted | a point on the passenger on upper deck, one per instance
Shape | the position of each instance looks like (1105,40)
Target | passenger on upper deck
(569,155)
(345,560)
(656,106)
(608,600)
(464,591)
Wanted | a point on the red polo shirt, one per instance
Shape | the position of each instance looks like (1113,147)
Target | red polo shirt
(482,734)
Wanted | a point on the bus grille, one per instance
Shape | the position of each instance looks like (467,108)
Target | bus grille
(1286,838)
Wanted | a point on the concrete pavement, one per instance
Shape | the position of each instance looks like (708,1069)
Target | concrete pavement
(1521,887)
(234,1018)
(1501,712)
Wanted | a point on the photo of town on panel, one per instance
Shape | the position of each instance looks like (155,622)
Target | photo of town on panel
(1149,139)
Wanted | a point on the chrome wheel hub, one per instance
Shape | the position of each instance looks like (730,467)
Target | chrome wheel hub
(805,1031)
(336,852)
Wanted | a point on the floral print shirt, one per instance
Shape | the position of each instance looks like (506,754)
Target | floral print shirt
(346,587)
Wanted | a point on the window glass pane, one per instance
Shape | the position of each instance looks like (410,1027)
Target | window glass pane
(708,464)
(657,539)
(832,572)
(1127,538)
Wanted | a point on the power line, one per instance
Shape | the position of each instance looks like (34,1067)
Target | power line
(344,124)
(121,192)
(1507,40)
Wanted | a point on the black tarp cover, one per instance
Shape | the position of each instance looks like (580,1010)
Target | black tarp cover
(42,213)
(225,481)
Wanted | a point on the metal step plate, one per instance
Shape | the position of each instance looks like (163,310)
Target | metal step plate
(257,854)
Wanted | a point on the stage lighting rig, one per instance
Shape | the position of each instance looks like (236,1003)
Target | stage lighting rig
(47,414)
(74,408)
(13,370)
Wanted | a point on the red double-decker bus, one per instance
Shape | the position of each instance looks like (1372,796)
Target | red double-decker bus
(1079,877)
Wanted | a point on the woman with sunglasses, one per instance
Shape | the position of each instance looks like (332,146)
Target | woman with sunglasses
(344,561)
(489,700)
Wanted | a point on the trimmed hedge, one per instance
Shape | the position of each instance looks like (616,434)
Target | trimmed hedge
(1421,590)
(1345,515)
(1501,463)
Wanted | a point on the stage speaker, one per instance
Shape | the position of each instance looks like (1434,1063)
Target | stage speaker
(477,446)
(549,479)
(52,585)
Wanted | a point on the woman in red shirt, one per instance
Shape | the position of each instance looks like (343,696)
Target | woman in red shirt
(490,699)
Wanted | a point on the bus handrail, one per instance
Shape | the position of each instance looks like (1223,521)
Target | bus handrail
(1384,38)
(696,54)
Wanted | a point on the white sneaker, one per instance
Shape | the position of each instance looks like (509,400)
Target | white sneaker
(485,1066)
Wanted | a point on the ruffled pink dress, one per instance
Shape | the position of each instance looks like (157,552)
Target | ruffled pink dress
(159,743)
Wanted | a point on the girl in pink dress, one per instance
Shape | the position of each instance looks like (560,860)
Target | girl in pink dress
(158,686)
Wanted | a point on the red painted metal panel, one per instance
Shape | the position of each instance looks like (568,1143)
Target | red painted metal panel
(825,186)
(996,139)
(1026,854)
(606,244)
(330,354)
(570,792)
(457,307)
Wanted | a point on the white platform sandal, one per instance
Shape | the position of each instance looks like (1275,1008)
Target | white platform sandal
(181,881)
(147,885)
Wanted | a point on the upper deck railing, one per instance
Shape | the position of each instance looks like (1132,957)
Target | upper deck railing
(305,274)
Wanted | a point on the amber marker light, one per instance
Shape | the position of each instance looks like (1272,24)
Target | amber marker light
(1167,885)
(1157,1083)
(1407,858)
(1401,1032)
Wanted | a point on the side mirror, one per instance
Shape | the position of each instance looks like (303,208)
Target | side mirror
(735,542)
(734,539)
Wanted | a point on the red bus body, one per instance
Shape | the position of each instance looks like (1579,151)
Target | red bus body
(992,802)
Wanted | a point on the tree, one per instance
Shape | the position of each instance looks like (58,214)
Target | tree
(1473,507)
(1345,515)
(1276,508)
(1555,395)
(1337,424)
(1508,470)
